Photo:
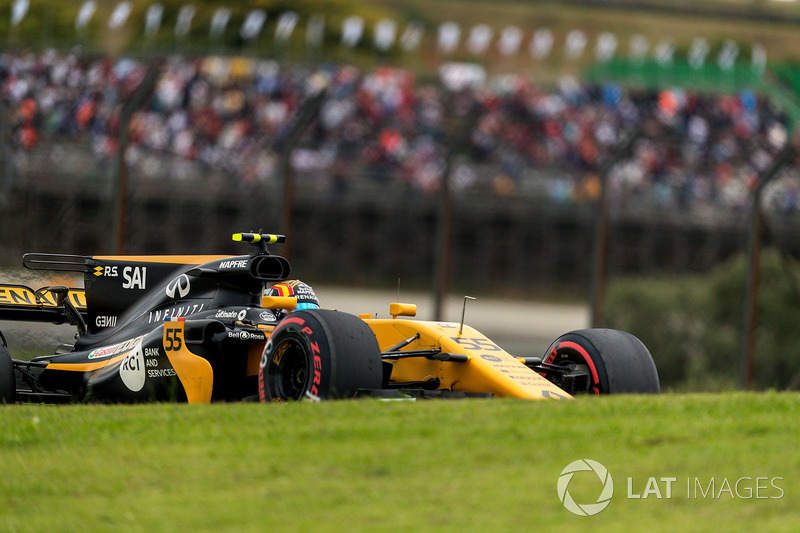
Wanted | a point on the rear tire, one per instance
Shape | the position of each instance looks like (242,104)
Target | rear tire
(319,354)
(7,384)
(617,361)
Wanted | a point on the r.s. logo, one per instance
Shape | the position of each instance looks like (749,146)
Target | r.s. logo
(178,287)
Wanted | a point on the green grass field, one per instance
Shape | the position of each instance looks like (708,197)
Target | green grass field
(470,465)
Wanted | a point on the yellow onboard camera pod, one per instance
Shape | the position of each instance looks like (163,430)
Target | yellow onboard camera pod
(279,302)
(398,309)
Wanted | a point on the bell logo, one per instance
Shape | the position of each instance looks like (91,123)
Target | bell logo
(585,509)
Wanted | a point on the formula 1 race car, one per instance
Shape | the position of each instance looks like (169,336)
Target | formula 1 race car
(208,328)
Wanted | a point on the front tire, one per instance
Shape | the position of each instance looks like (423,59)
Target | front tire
(319,354)
(7,384)
(617,361)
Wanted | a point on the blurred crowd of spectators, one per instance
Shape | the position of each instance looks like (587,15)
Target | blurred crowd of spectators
(228,119)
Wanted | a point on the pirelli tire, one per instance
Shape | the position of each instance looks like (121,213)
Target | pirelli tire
(617,361)
(7,384)
(319,354)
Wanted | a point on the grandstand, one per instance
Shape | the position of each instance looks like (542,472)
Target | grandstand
(369,128)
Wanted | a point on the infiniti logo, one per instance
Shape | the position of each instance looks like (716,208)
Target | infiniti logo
(179,285)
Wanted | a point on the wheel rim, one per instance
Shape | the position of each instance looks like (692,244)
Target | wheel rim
(287,372)
(562,355)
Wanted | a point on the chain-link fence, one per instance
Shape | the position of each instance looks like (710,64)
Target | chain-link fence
(501,187)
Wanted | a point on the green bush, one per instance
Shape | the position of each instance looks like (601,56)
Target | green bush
(693,325)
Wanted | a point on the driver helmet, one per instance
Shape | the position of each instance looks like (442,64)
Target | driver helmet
(306,298)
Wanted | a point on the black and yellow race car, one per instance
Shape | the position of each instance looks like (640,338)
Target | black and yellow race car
(208,328)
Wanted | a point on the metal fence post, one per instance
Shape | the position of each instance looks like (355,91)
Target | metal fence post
(121,170)
(443,254)
(601,232)
(307,112)
(754,242)
(7,171)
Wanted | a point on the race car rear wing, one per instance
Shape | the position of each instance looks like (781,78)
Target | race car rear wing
(20,302)
(57,262)
(47,304)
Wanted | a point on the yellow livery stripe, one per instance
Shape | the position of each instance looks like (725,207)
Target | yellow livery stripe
(86,367)
(177,259)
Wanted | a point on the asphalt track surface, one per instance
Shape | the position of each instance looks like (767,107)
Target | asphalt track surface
(520,327)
